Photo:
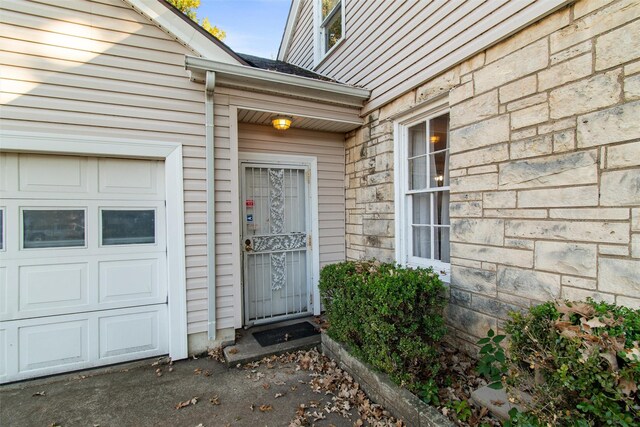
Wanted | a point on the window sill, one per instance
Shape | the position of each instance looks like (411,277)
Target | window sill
(438,268)
(328,54)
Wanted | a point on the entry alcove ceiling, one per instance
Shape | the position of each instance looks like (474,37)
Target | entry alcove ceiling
(298,121)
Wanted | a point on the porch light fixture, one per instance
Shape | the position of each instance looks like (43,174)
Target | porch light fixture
(281,122)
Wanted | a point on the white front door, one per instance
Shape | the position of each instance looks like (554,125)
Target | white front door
(275,241)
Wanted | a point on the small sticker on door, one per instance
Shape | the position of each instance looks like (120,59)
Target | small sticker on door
(248,203)
(250,218)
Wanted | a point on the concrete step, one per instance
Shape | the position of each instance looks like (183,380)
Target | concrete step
(247,349)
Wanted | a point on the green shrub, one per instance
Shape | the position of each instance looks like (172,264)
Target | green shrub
(389,316)
(580,361)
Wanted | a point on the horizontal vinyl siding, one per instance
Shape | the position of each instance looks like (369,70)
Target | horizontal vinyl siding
(328,148)
(391,46)
(301,50)
(98,68)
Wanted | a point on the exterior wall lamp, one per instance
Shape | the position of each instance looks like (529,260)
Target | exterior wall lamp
(281,122)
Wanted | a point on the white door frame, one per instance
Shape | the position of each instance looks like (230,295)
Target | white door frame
(285,159)
(171,154)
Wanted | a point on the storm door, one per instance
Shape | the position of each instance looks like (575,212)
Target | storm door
(275,238)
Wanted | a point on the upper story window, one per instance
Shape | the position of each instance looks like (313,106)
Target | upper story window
(423,183)
(330,26)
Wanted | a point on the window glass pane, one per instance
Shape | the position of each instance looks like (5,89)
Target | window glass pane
(128,227)
(418,173)
(53,228)
(442,207)
(421,209)
(328,6)
(441,244)
(333,31)
(418,140)
(439,169)
(439,133)
(1,229)
(422,241)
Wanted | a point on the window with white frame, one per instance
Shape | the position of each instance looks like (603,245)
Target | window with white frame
(330,18)
(424,187)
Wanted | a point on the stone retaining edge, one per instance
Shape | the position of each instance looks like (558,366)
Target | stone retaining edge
(379,387)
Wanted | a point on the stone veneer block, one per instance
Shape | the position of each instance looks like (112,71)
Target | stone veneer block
(481,156)
(601,21)
(474,280)
(473,323)
(499,200)
(620,188)
(608,126)
(573,294)
(565,72)
(532,284)
(550,171)
(621,250)
(619,46)
(590,213)
(578,282)
(507,256)
(481,134)
(465,209)
(472,183)
(635,245)
(556,197)
(493,307)
(619,276)
(518,89)
(530,116)
(635,219)
(476,109)
(597,232)
(599,91)
(529,59)
(482,231)
(570,258)
(632,88)
(633,303)
(571,52)
(622,156)
(531,147)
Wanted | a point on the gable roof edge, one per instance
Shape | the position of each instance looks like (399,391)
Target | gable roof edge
(184,30)
(292,19)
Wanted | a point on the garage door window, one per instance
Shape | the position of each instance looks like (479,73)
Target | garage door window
(53,228)
(128,227)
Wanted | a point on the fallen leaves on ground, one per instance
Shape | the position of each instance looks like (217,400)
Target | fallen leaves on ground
(265,408)
(186,403)
(215,400)
(38,393)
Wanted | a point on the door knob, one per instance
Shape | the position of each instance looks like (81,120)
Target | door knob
(247,245)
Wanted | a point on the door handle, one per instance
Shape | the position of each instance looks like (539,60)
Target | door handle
(247,245)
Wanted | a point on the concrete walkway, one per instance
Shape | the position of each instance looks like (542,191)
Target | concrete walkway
(133,395)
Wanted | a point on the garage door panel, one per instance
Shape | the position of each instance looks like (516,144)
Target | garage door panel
(127,334)
(3,353)
(130,176)
(4,292)
(53,174)
(53,286)
(131,280)
(53,344)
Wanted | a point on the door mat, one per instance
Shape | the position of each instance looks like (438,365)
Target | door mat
(285,333)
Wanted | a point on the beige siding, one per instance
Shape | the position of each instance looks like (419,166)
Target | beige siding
(101,69)
(391,46)
(301,51)
(329,150)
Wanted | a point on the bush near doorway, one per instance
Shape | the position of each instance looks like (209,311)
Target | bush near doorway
(389,316)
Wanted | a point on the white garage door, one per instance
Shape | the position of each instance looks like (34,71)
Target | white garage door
(83,274)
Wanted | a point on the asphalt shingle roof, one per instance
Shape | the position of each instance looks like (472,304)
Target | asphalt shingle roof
(282,67)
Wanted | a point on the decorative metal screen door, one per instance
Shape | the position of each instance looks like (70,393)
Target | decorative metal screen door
(275,230)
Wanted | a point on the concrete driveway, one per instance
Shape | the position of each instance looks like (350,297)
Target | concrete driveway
(134,395)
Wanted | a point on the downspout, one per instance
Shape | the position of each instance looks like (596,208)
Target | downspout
(210,83)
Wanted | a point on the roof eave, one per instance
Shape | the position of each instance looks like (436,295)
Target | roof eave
(259,79)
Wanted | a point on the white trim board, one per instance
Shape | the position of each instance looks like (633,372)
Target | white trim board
(171,154)
(312,163)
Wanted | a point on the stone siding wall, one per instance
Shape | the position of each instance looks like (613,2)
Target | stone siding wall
(545,167)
